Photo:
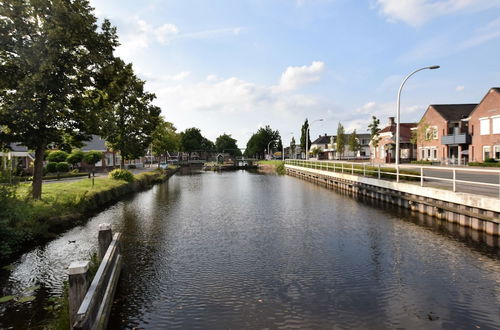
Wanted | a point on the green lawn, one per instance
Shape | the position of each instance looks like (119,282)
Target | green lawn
(270,162)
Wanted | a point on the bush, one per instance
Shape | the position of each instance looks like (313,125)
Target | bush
(52,167)
(92,157)
(62,167)
(57,156)
(491,160)
(75,157)
(484,164)
(121,175)
(280,169)
(421,162)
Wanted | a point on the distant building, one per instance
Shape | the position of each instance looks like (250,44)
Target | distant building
(328,147)
(19,157)
(484,127)
(442,133)
(386,149)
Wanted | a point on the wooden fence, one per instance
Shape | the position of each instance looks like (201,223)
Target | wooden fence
(90,306)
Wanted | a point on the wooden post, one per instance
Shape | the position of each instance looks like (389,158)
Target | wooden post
(105,237)
(78,285)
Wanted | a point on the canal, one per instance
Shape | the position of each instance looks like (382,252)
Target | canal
(243,250)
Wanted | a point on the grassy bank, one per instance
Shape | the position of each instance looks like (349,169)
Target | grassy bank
(24,221)
(277,165)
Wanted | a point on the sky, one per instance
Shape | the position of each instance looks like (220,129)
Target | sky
(228,66)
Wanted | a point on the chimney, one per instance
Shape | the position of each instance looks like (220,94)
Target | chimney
(319,135)
(325,134)
(391,121)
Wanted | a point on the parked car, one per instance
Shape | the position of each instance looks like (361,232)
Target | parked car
(163,166)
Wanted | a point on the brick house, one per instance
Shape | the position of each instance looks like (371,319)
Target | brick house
(442,133)
(386,150)
(484,127)
(325,144)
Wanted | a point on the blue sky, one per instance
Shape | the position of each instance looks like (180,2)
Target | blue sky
(234,66)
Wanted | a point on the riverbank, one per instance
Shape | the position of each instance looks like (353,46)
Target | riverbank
(25,222)
(272,166)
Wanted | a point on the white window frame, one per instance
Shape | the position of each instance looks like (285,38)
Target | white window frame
(486,149)
(434,153)
(484,126)
(495,148)
(495,124)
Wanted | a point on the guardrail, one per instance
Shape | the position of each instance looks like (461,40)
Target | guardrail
(411,173)
(90,309)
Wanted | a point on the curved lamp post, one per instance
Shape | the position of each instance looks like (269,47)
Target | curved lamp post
(398,111)
(268,145)
(307,135)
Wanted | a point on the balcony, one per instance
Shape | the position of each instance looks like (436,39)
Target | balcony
(460,138)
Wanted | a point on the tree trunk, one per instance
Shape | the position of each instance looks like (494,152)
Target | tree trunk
(122,162)
(38,172)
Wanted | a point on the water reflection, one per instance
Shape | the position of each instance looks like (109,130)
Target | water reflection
(245,250)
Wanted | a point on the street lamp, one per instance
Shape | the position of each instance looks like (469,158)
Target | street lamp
(307,135)
(398,111)
(268,151)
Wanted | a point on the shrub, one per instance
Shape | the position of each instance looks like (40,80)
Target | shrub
(62,167)
(92,157)
(52,167)
(57,156)
(422,162)
(75,157)
(491,160)
(119,174)
(280,169)
(484,164)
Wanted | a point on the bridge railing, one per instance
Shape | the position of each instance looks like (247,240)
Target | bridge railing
(90,306)
(483,181)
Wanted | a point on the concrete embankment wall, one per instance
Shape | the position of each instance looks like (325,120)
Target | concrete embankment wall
(469,210)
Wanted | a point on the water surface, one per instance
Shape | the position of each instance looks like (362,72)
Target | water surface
(241,250)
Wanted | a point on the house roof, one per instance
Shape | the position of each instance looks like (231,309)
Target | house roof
(454,112)
(492,89)
(404,130)
(17,147)
(96,143)
(324,139)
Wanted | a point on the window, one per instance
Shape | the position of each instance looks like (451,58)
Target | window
(485,126)
(428,153)
(435,154)
(422,154)
(496,125)
(434,133)
(496,152)
(486,152)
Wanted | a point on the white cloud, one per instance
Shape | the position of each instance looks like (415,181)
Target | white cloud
(235,105)
(165,32)
(418,12)
(459,88)
(297,76)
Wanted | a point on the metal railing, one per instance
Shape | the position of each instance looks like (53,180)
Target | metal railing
(486,182)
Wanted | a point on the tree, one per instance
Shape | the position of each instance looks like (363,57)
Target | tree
(341,140)
(303,131)
(130,118)
(315,151)
(207,145)
(92,157)
(51,51)
(259,141)
(292,147)
(353,142)
(225,143)
(75,157)
(165,139)
(191,140)
(57,156)
(373,128)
